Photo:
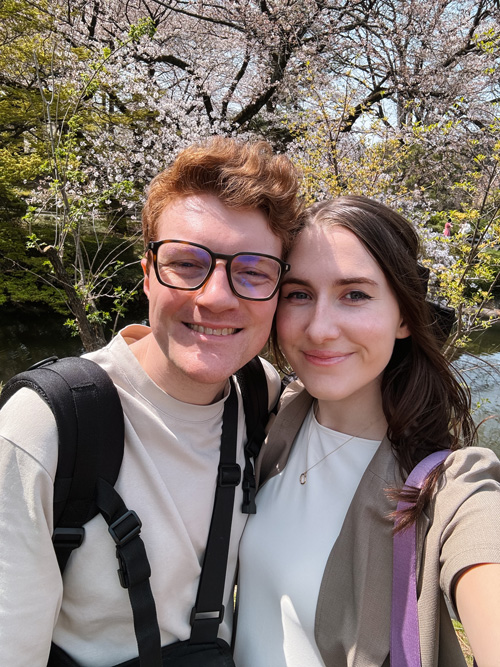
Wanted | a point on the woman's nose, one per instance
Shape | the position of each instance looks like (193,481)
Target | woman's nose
(324,324)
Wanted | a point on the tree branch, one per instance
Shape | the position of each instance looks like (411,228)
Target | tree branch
(377,94)
(201,17)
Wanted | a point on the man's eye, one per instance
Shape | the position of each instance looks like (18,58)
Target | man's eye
(181,264)
(184,267)
(253,273)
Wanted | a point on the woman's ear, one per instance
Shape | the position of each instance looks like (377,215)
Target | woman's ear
(403,331)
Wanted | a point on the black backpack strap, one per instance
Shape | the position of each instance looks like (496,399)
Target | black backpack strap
(89,420)
(208,612)
(134,571)
(253,384)
(90,426)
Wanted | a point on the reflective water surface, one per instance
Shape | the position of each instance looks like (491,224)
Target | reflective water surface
(480,367)
(28,338)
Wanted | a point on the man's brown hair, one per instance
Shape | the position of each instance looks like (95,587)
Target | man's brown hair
(243,175)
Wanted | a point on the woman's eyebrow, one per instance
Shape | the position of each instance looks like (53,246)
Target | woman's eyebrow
(358,280)
(296,281)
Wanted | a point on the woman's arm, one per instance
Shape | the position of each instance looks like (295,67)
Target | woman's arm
(477,595)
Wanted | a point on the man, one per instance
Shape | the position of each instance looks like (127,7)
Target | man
(216,226)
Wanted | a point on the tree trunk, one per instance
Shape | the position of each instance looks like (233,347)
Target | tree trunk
(90,335)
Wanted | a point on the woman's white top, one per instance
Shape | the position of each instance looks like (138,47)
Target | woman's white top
(285,546)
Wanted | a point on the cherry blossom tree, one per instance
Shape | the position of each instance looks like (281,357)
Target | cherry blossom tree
(367,95)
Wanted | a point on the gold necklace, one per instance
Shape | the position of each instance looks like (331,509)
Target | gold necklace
(303,476)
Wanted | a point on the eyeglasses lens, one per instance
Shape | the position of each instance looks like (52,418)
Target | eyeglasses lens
(183,265)
(254,277)
(186,267)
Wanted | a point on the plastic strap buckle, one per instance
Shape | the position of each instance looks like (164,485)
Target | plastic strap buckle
(125,528)
(68,538)
(206,615)
(43,362)
(229,474)
(248,505)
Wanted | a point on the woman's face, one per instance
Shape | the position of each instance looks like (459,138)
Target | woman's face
(337,317)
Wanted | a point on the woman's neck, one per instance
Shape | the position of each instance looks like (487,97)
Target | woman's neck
(364,420)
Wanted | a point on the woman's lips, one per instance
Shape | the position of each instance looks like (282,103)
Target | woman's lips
(325,357)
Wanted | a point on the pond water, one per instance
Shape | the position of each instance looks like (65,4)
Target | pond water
(26,339)
(480,367)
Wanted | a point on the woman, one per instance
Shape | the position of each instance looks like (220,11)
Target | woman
(316,560)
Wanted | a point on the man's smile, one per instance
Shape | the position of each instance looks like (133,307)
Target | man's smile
(226,331)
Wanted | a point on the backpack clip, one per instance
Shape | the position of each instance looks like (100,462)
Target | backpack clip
(43,362)
(217,615)
(248,505)
(125,528)
(229,474)
(68,538)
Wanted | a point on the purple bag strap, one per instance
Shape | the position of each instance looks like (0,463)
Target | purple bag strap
(405,638)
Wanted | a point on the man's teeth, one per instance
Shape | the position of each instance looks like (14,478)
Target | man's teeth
(213,332)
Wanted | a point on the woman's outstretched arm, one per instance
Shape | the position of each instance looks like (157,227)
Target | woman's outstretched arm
(477,595)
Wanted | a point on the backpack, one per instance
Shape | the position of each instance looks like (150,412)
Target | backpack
(90,424)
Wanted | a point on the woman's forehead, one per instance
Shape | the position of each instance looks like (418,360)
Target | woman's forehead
(328,241)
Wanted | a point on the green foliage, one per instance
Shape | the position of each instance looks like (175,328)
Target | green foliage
(144,27)
(48,125)
(27,277)
(419,172)
(89,112)
(334,165)
(25,280)
(471,279)
(464,643)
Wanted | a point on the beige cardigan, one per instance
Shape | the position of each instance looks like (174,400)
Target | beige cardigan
(459,529)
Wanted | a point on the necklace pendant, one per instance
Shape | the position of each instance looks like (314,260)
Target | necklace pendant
(303,478)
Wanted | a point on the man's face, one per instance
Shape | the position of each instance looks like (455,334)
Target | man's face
(202,337)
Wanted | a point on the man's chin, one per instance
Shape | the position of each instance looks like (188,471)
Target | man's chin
(217,372)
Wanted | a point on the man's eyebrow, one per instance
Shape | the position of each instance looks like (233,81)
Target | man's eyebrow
(358,280)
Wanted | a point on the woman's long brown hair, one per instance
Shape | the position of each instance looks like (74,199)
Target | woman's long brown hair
(425,402)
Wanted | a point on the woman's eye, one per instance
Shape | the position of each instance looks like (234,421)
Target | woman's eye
(296,296)
(357,295)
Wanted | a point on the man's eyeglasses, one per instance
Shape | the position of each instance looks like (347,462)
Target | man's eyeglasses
(188,266)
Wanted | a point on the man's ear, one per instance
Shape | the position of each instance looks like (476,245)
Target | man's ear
(145,268)
(403,331)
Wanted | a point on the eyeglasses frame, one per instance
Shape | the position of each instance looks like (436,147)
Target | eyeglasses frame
(154,245)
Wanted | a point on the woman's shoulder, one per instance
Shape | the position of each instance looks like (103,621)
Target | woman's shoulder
(467,474)
(471,464)
(469,487)
(465,513)
(291,392)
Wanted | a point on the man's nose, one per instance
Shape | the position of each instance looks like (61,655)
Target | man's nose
(216,294)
